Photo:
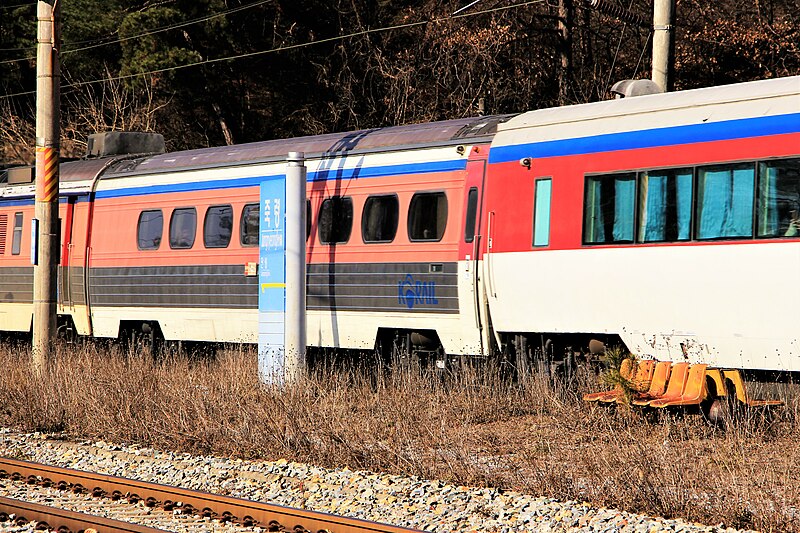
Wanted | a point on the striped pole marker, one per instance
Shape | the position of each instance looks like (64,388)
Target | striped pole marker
(47,166)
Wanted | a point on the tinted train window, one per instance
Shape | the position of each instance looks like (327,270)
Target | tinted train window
(182,228)
(427,216)
(541,212)
(335,220)
(778,203)
(609,207)
(150,227)
(16,241)
(379,220)
(218,226)
(665,205)
(472,214)
(248,226)
(308,218)
(725,201)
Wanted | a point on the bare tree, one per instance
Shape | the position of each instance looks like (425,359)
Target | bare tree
(110,105)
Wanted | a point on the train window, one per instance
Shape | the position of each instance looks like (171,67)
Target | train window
(335,220)
(609,209)
(725,201)
(3,233)
(665,205)
(427,216)
(778,204)
(182,228)
(379,219)
(16,240)
(218,226)
(541,212)
(472,214)
(149,229)
(308,218)
(248,225)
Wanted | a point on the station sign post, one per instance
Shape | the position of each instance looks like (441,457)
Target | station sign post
(272,282)
(282,275)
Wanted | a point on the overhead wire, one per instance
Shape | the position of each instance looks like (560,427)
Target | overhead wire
(172,27)
(616,53)
(109,40)
(289,47)
(15,6)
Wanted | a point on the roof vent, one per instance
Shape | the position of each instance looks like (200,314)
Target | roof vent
(627,88)
(123,143)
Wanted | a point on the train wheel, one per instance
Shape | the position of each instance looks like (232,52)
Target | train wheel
(722,411)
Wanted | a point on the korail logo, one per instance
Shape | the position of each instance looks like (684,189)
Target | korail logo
(412,292)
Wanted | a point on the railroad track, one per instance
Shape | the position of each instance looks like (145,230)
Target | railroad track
(247,513)
(62,520)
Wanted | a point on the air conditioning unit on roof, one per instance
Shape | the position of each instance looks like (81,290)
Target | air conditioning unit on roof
(124,143)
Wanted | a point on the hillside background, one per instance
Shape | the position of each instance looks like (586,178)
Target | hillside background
(315,66)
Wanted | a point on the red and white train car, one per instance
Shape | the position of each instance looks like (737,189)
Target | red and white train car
(669,220)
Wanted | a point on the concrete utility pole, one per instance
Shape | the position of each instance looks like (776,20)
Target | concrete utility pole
(46,246)
(663,43)
(295,347)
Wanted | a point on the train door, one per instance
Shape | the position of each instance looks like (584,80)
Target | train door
(72,267)
(65,301)
(471,243)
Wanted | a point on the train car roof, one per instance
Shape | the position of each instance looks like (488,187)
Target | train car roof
(764,98)
(433,134)
(75,177)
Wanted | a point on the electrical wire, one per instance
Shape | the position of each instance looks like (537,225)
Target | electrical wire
(171,27)
(105,40)
(459,10)
(288,47)
(19,5)
(616,53)
(644,49)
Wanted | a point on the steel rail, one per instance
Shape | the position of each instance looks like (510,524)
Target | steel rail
(247,512)
(56,519)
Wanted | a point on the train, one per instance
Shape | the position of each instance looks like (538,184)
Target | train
(666,223)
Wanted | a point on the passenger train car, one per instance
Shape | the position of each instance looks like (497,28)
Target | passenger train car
(664,222)
(168,243)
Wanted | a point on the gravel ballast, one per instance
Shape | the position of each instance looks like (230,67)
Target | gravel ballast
(398,500)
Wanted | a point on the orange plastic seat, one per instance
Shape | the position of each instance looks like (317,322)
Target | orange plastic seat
(694,389)
(640,382)
(675,384)
(742,391)
(625,370)
(657,385)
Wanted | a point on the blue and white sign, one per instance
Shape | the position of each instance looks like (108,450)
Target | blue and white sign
(272,281)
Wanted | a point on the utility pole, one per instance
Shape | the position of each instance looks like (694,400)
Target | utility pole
(663,43)
(45,231)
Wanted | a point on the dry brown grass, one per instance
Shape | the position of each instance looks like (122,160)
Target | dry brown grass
(475,428)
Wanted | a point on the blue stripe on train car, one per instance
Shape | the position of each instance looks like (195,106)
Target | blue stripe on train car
(319,175)
(653,138)
(30,200)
